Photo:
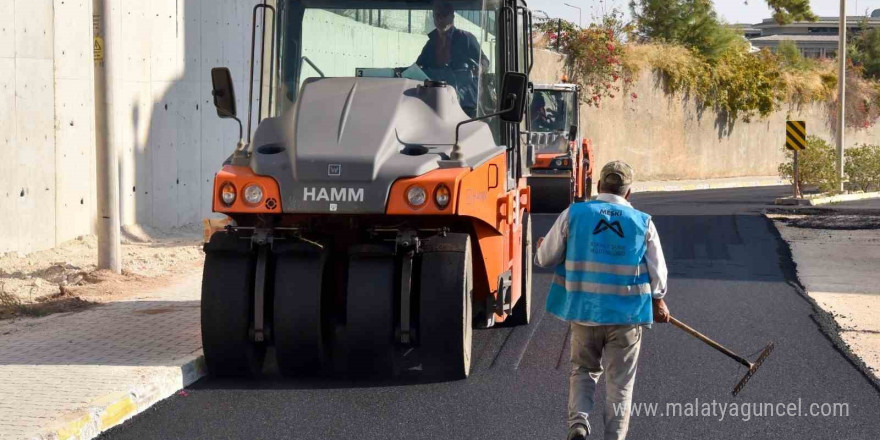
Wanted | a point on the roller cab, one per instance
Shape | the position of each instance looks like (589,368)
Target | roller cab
(562,171)
(378,209)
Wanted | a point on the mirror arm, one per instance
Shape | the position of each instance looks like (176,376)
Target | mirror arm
(306,59)
(456,149)
(240,155)
(456,159)
(240,126)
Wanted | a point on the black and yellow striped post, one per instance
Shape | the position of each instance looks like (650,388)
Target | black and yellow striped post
(796,140)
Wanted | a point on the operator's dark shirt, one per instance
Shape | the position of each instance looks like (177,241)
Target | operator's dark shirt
(464,47)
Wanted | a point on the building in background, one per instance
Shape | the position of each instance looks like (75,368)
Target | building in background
(814,39)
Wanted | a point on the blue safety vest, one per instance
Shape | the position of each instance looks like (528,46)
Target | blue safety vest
(604,279)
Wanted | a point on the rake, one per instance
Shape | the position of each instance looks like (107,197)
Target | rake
(752,366)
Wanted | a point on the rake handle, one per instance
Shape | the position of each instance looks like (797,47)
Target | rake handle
(709,341)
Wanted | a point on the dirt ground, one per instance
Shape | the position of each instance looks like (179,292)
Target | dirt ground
(66,278)
(837,255)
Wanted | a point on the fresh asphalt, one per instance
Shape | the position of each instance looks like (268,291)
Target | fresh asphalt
(730,277)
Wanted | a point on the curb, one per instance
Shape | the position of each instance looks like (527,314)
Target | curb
(708,184)
(788,201)
(113,409)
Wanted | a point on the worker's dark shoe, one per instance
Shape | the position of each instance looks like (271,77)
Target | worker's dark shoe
(578,431)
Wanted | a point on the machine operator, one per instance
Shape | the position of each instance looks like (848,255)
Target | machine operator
(449,52)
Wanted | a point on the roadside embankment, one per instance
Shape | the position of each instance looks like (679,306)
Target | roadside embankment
(671,137)
(66,278)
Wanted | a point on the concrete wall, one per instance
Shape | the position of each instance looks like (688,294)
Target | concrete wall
(354,45)
(170,140)
(666,137)
(46,123)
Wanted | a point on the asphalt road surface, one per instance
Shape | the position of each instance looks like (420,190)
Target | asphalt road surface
(730,277)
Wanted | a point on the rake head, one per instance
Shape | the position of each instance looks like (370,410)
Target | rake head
(753,368)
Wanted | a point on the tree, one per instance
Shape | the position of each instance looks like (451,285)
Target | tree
(786,11)
(865,52)
(790,56)
(695,24)
(691,23)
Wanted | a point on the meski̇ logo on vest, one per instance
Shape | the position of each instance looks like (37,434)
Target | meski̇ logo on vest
(603,226)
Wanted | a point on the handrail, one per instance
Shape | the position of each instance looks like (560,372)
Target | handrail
(262,50)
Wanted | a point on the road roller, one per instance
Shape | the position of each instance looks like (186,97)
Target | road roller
(377,207)
(562,172)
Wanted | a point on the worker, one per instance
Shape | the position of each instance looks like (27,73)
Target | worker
(609,283)
(448,46)
(540,118)
(546,111)
(453,55)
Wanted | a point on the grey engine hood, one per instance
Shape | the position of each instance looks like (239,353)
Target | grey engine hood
(346,141)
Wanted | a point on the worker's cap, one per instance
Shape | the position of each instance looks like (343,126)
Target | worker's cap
(620,168)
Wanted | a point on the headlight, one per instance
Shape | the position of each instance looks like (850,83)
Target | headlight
(416,196)
(562,162)
(227,193)
(441,196)
(253,194)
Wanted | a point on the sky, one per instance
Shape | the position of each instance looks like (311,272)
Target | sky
(733,11)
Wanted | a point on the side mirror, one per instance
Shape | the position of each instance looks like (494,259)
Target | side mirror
(514,90)
(572,133)
(224,94)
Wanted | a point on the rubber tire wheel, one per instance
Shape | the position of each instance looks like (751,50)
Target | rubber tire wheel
(522,310)
(446,308)
(298,324)
(368,345)
(227,310)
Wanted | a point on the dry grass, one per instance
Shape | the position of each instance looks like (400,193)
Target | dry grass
(816,83)
(12,307)
(664,57)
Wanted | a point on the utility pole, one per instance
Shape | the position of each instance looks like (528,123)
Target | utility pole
(841,91)
(109,255)
(580,25)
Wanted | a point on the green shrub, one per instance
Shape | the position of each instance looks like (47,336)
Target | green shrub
(862,166)
(742,84)
(790,56)
(817,166)
(738,84)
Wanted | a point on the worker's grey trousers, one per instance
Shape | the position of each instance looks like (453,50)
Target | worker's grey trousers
(616,348)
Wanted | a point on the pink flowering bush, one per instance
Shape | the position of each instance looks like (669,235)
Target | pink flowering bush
(594,56)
